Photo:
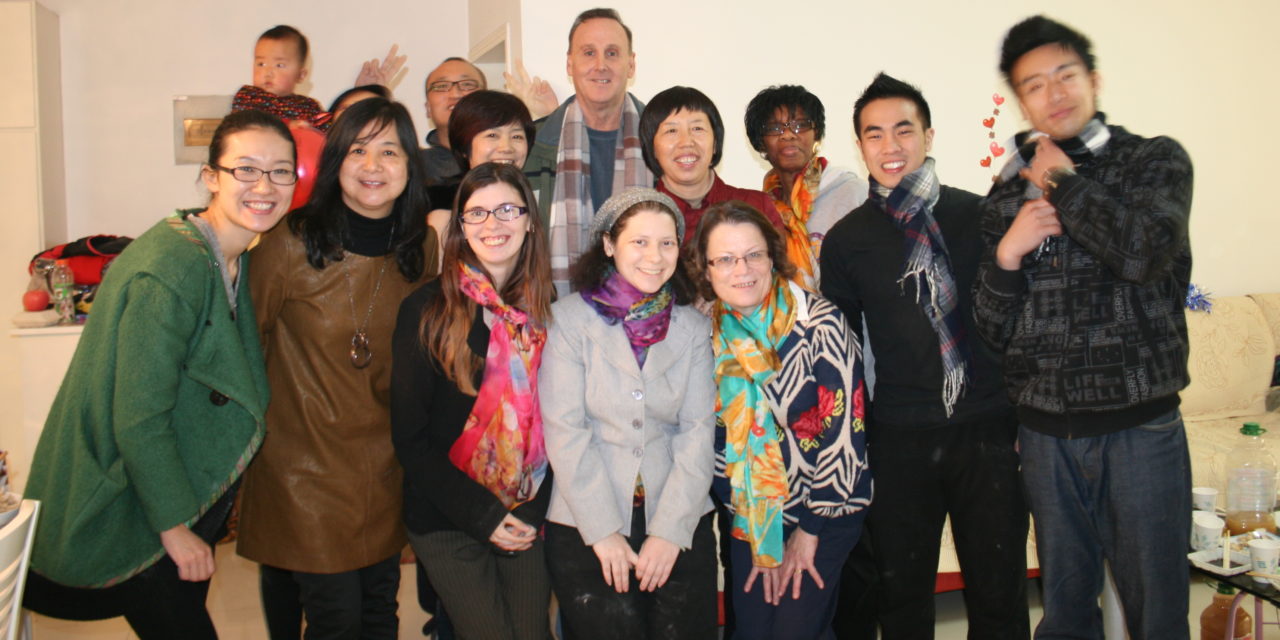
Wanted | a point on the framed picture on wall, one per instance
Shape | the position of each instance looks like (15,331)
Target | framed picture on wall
(194,120)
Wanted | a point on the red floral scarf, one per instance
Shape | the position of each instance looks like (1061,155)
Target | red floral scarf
(501,446)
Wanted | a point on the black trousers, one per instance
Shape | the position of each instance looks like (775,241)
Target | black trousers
(353,605)
(683,608)
(859,590)
(968,470)
(281,602)
(156,603)
(491,595)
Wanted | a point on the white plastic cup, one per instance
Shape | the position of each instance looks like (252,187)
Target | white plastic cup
(1265,555)
(1204,498)
(1206,530)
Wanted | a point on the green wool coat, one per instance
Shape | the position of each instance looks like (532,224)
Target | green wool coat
(159,413)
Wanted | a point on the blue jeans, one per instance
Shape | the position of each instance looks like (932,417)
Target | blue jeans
(1121,496)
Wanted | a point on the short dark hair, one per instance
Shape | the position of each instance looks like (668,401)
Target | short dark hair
(286,32)
(426,82)
(238,121)
(887,86)
(375,89)
(594,265)
(666,103)
(480,111)
(1037,31)
(735,212)
(793,98)
(592,14)
(322,224)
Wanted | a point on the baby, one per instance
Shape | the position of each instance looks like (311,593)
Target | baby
(279,64)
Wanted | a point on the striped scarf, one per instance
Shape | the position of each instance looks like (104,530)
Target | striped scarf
(795,208)
(571,206)
(501,445)
(1090,141)
(746,350)
(910,206)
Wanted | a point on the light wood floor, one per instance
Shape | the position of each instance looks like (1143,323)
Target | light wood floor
(233,602)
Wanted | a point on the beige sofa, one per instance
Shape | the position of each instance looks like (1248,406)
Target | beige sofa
(1233,352)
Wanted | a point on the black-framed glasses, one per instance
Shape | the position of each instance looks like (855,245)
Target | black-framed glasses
(794,126)
(441,86)
(754,260)
(254,174)
(504,212)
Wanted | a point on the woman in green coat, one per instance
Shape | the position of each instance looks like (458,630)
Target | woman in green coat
(162,406)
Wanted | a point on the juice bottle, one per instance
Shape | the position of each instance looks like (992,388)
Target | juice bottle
(1251,483)
(1213,621)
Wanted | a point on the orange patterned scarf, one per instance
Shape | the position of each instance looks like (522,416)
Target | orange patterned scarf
(795,208)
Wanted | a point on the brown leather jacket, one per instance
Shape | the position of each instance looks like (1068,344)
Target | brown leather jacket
(324,493)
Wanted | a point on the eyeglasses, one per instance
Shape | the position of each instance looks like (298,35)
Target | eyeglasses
(504,212)
(465,86)
(254,174)
(794,126)
(754,260)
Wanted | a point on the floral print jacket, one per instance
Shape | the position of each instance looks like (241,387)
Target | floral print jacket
(818,400)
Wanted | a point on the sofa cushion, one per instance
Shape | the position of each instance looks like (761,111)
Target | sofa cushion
(1232,356)
(1211,440)
(1270,305)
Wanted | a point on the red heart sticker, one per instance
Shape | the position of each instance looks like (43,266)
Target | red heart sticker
(986,162)
(997,98)
(996,149)
(989,122)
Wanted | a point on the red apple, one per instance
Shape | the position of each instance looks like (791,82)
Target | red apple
(35,300)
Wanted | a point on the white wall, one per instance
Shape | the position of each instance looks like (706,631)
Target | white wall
(123,61)
(1194,71)
(1171,68)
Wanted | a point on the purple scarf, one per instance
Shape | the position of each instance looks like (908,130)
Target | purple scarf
(645,317)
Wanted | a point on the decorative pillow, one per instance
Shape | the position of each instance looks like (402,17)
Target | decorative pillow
(1231,360)
(1270,304)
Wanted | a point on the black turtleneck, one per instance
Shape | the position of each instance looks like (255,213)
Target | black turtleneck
(368,237)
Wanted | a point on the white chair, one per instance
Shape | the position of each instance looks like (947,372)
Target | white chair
(15,552)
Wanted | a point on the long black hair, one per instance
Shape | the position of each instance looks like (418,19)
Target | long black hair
(322,224)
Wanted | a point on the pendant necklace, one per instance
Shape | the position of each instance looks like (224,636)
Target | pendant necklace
(360,353)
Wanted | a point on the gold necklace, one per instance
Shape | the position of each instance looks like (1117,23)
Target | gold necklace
(361,355)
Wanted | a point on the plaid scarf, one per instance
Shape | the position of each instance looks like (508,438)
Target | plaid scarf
(571,206)
(910,206)
(287,108)
(501,445)
(795,208)
(1087,144)
(1090,142)
(645,316)
(746,350)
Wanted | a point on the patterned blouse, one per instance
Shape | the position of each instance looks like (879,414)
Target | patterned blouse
(819,395)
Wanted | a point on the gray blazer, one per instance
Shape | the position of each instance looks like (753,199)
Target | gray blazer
(606,421)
